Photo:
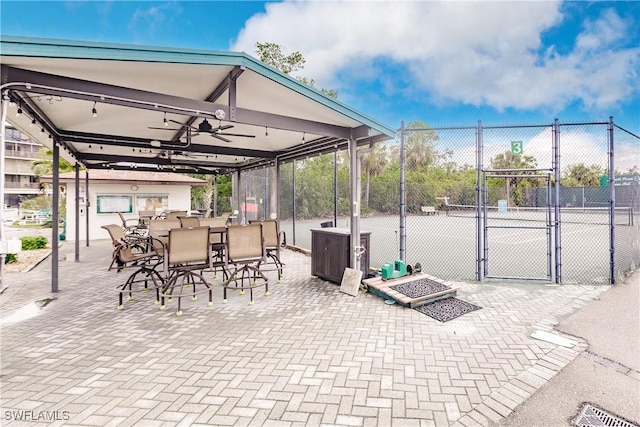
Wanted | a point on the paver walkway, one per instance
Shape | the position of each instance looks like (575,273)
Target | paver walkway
(305,355)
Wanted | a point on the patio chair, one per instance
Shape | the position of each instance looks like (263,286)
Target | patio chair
(174,214)
(144,217)
(272,245)
(144,264)
(130,225)
(245,253)
(216,240)
(189,221)
(186,256)
(159,228)
(225,217)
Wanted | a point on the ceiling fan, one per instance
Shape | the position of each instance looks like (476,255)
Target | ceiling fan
(171,153)
(206,127)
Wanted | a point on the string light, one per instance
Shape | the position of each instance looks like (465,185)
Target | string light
(19,112)
(94,112)
(266,133)
(302,136)
(33,123)
(166,123)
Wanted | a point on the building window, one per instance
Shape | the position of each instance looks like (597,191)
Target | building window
(112,203)
(152,202)
(13,134)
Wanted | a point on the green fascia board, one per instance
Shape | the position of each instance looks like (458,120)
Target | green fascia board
(71,49)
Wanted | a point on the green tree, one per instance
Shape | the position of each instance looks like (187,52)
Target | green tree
(373,164)
(212,197)
(420,147)
(271,54)
(581,175)
(43,164)
(514,187)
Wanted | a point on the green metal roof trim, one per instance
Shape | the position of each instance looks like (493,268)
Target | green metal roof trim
(57,48)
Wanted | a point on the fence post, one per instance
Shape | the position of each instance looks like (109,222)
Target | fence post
(479,225)
(354,176)
(612,205)
(76,170)
(335,187)
(293,204)
(403,218)
(4,102)
(556,203)
(56,217)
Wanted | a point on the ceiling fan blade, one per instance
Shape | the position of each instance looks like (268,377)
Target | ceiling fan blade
(220,137)
(183,125)
(236,134)
(173,129)
(219,128)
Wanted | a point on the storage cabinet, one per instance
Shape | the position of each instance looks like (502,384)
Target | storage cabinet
(330,252)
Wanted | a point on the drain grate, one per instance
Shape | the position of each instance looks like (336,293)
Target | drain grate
(447,309)
(419,288)
(592,416)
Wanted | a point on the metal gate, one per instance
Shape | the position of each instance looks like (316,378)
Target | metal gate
(527,231)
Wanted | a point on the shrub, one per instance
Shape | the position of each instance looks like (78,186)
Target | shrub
(10,258)
(33,242)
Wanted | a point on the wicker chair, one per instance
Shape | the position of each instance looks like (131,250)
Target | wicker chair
(126,256)
(187,256)
(245,253)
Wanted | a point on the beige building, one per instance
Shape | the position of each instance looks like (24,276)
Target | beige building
(129,192)
(20,182)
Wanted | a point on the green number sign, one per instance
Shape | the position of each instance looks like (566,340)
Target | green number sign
(516,147)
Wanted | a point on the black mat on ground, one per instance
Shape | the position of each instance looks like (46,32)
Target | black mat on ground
(419,288)
(447,309)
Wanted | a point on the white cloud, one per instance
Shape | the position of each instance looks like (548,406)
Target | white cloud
(154,18)
(478,53)
(586,144)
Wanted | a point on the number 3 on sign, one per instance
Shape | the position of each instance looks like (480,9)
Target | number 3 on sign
(516,147)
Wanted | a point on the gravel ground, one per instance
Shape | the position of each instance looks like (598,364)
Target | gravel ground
(26,260)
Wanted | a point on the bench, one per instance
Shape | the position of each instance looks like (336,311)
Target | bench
(428,210)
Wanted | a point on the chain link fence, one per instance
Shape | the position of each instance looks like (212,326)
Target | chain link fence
(479,201)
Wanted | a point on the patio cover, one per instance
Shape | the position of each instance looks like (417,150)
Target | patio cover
(132,88)
(95,105)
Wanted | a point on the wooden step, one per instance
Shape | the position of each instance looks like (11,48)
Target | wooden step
(382,288)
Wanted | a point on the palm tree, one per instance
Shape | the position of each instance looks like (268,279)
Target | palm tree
(43,164)
(373,164)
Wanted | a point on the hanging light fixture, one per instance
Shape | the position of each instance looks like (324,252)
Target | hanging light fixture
(302,136)
(33,123)
(166,123)
(94,112)
(266,132)
(19,112)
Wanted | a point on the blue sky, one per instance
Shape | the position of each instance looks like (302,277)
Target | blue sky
(444,63)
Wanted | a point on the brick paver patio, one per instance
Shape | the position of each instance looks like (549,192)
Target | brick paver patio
(305,355)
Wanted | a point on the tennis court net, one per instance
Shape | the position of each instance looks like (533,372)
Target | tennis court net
(590,215)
